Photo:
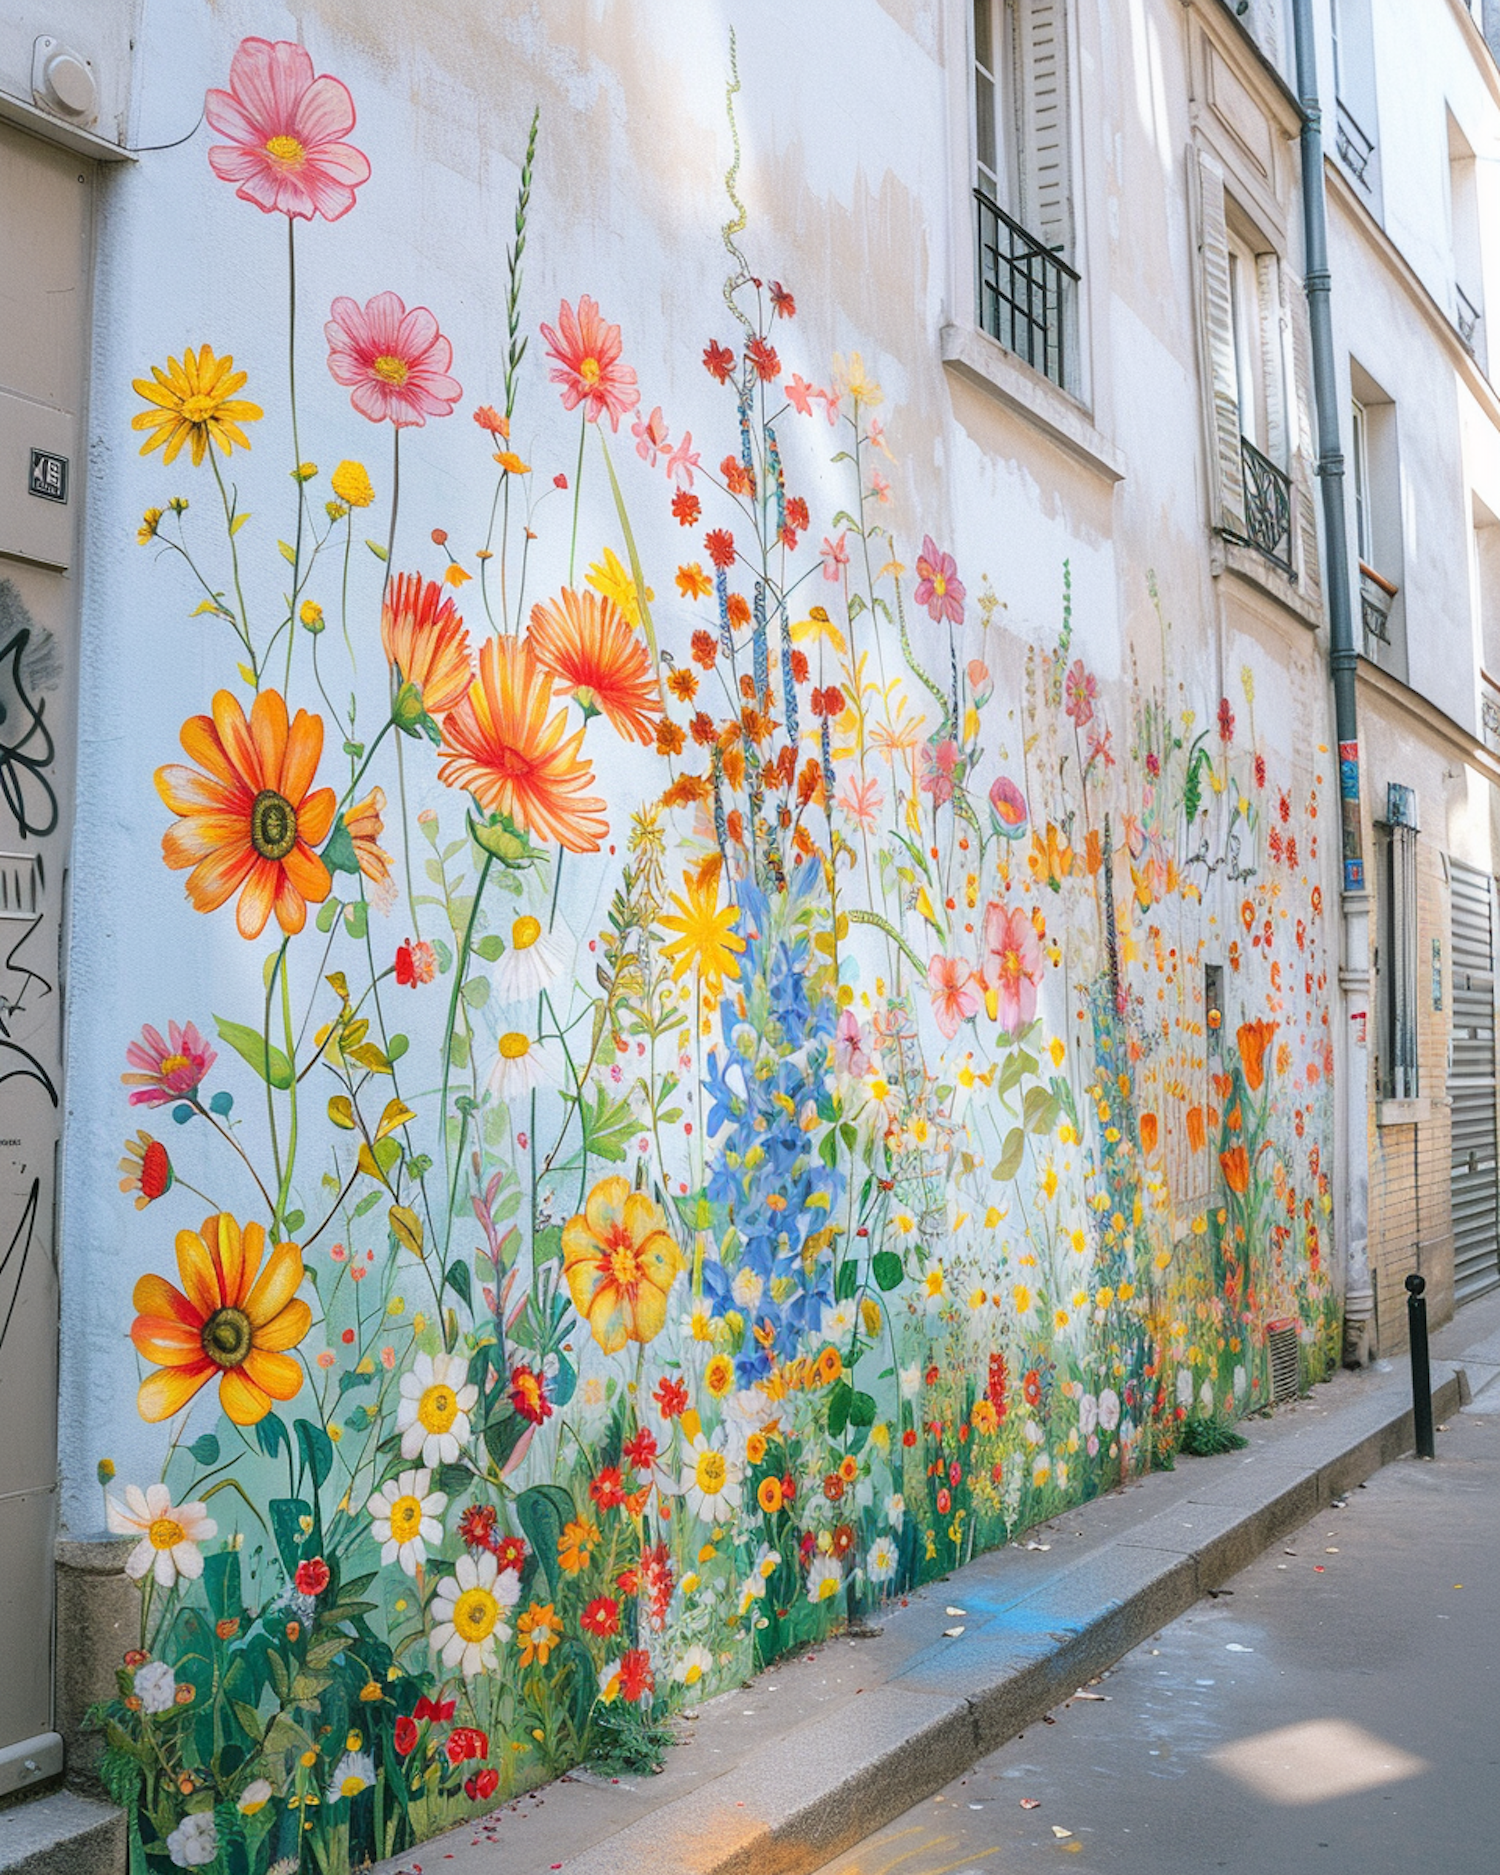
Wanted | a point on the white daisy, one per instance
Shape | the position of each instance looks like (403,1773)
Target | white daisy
(407,1518)
(609,1681)
(436,1401)
(747,1288)
(711,1481)
(839,1322)
(880,1564)
(155,1686)
(255,1796)
(895,1511)
(694,1663)
(467,1611)
(354,1772)
(169,1537)
(195,1841)
(531,962)
(522,1063)
(824,1579)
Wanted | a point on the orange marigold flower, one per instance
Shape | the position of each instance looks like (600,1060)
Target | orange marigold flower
(683,684)
(686,791)
(587,643)
(686,508)
(222,1322)
(800,667)
(719,545)
(734,764)
(249,824)
(423,635)
(705,649)
(738,608)
(500,744)
(692,581)
(538,1632)
(1197,1136)
(577,1543)
(488,418)
(1148,1132)
(365,821)
(669,737)
(703,730)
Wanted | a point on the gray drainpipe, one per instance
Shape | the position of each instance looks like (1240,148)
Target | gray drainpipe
(1354,969)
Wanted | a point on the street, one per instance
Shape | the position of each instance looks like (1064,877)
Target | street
(1332,1709)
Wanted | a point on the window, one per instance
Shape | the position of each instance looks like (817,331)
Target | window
(1463,206)
(1354,87)
(1397,941)
(1375,488)
(1022,184)
(1359,459)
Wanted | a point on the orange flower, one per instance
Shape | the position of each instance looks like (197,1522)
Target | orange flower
(249,821)
(1148,1132)
(587,642)
(579,1540)
(222,1321)
(423,635)
(1254,1038)
(499,744)
(620,1263)
(1197,1136)
(366,824)
(1236,1164)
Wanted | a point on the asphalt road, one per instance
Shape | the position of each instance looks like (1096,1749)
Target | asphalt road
(1335,1712)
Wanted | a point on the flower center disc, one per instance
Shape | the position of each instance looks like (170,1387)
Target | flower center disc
(514,1047)
(226,1337)
(438,1409)
(390,370)
(710,1472)
(524,933)
(406,1518)
(166,1533)
(475,1613)
(285,150)
(198,408)
(273,824)
(589,371)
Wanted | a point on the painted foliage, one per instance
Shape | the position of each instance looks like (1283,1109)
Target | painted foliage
(730,1123)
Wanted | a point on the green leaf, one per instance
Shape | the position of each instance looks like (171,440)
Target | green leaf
(327,912)
(888,1269)
(376,548)
(489,948)
(396,1047)
(338,849)
(503,1434)
(357,919)
(271,1434)
(1011,1154)
(476,992)
(457,1279)
(458,1049)
(862,1410)
(287,552)
(268,1062)
(205,1449)
(251,1723)
(317,1450)
(608,1128)
(221,1583)
(839,1403)
(541,1512)
(286,1523)
(847,1281)
(1039,1110)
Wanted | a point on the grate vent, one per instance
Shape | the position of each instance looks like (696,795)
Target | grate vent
(1286,1365)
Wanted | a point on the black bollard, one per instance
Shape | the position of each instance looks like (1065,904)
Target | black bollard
(1421,1372)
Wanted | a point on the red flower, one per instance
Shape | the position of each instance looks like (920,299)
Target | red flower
(628,1581)
(511,1553)
(943,1501)
(416,962)
(719,545)
(1226,721)
(763,357)
(702,728)
(587,349)
(718,360)
(285,129)
(608,1488)
(999,1382)
(908,1438)
(476,1527)
(483,1785)
(1031,1387)
(833,1487)
(465,1742)
(394,361)
(783,305)
(829,702)
(636,1677)
(796,513)
(528,1395)
(406,1737)
(955,1471)
(440,1711)
(312,1576)
(656,1583)
(641,1450)
(800,667)
(672,1397)
(931,1376)
(601,1617)
(686,508)
(705,649)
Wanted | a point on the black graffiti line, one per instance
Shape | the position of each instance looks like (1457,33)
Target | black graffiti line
(27,1224)
(14,1006)
(19,759)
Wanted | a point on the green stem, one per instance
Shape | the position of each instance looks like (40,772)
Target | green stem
(291,1046)
(460,965)
(583,430)
(234,557)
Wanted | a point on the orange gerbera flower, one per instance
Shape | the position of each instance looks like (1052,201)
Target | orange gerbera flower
(365,821)
(587,642)
(222,1322)
(1254,1038)
(249,821)
(499,744)
(620,1263)
(423,636)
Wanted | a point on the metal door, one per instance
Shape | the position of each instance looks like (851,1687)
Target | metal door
(1471,1085)
(46,197)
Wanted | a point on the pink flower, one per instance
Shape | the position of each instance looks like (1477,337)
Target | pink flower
(1012,971)
(835,554)
(861,801)
(880,488)
(830,405)
(587,351)
(395,361)
(939,764)
(876,432)
(285,129)
(955,992)
(799,394)
(1080,688)
(1008,809)
(167,1070)
(682,461)
(650,436)
(938,586)
(851,1045)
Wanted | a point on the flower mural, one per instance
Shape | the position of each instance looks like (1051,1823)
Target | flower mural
(730,1112)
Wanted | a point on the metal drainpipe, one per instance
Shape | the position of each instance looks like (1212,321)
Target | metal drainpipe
(1354,969)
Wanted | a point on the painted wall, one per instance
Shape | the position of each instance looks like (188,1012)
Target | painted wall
(660,986)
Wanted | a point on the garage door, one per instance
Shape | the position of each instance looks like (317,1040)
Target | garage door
(1471,1086)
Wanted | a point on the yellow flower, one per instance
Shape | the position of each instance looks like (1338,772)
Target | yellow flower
(304,472)
(351,483)
(456,576)
(851,380)
(620,1263)
(609,578)
(150,522)
(194,403)
(718,1376)
(579,1539)
(311,615)
(707,941)
(538,1630)
(512,463)
(935,1280)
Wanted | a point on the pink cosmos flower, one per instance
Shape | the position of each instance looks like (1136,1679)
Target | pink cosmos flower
(396,362)
(861,801)
(851,1046)
(1008,809)
(683,460)
(650,435)
(835,554)
(799,394)
(587,353)
(955,992)
(1080,687)
(285,129)
(939,764)
(938,586)
(167,1070)
(1012,970)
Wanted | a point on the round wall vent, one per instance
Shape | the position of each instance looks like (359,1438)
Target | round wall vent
(62,81)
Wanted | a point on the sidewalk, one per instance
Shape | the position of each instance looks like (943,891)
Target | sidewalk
(825,1748)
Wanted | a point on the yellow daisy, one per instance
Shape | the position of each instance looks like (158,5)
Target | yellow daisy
(195,403)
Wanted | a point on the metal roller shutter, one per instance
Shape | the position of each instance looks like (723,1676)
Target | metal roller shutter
(1471,1084)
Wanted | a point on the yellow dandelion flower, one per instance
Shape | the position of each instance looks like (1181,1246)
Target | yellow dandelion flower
(194,402)
(351,483)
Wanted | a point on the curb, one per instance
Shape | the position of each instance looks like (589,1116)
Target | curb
(794,1804)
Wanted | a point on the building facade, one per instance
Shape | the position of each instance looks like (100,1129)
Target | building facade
(676,860)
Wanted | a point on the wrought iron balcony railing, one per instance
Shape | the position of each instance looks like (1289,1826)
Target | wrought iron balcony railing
(1268,505)
(1024,291)
(1468,317)
(1355,146)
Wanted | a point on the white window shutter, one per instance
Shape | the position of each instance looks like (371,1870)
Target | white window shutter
(1046,207)
(1273,373)
(1304,447)
(1226,476)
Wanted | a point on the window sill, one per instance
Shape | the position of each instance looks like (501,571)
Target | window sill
(985,363)
(1252,566)
(1403,1112)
